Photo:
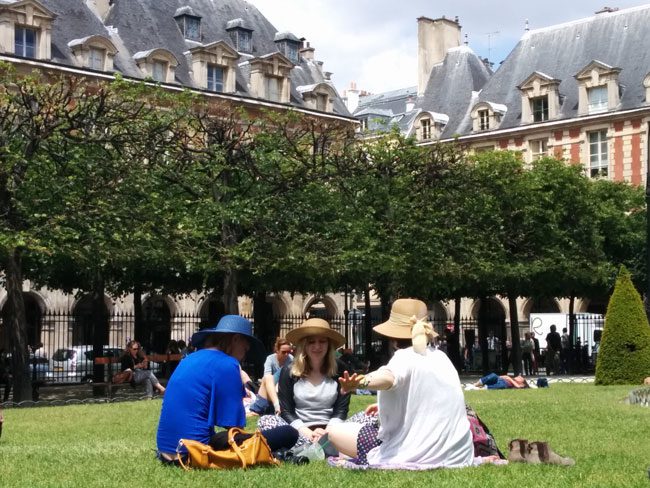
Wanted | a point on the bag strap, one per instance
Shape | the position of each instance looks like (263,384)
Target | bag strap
(179,458)
(234,446)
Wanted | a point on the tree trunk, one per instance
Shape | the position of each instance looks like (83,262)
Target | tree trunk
(482,333)
(453,342)
(367,327)
(100,327)
(137,312)
(573,364)
(461,357)
(231,276)
(265,328)
(515,351)
(17,327)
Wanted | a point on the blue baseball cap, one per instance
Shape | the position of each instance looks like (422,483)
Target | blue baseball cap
(233,324)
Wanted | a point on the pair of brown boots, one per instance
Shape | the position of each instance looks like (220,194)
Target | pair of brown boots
(538,452)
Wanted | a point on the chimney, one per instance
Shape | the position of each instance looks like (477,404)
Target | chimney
(435,38)
(100,7)
(307,52)
(351,97)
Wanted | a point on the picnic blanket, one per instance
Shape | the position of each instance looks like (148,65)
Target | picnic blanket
(348,463)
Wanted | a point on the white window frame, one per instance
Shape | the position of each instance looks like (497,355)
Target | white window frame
(598,153)
(538,148)
(544,108)
(483,119)
(426,129)
(598,99)
(215,84)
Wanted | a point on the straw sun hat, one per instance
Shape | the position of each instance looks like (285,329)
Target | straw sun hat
(315,327)
(404,314)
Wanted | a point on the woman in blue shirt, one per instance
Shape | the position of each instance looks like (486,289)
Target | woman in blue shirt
(206,390)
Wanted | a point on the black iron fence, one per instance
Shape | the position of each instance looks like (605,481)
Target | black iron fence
(64,343)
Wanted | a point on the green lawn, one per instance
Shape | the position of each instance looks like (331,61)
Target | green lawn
(112,445)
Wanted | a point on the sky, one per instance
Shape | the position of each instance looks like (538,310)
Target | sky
(374,42)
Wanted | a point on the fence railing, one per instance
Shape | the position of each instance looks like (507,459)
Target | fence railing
(62,343)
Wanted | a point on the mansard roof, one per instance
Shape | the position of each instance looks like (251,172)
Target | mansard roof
(451,85)
(620,39)
(140,26)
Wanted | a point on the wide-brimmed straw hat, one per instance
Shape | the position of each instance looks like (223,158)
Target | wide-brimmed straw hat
(398,325)
(315,327)
(233,324)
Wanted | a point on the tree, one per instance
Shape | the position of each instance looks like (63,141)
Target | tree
(624,354)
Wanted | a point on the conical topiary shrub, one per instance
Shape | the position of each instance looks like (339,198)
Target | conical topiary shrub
(624,354)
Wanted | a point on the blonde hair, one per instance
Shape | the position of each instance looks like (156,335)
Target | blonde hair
(301,366)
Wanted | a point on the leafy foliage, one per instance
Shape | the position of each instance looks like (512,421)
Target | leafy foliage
(624,355)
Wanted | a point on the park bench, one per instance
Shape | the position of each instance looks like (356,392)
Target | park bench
(112,365)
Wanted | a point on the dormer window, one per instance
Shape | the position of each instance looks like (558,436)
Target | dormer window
(159,64)
(214,66)
(189,23)
(289,45)
(190,27)
(25,29)
(241,35)
(270,77)
(318,96)
(429,125)
(94,52)
(539,107)
(25,42)
(598,88)
(646,85)
(540,98)
(487,115)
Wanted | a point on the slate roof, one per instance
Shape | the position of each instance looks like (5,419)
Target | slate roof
(620,39)
(137,26)
(450,87)
(450,91)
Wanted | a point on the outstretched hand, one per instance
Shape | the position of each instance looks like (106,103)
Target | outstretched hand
(349,383)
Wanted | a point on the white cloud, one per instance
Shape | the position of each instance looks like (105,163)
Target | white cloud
(374,42)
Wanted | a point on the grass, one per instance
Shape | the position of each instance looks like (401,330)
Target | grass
(112,445)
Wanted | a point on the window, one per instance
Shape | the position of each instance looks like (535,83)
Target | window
(538,149)
(242,40)
(25,42)
(425,125)
(190,27)
(539,107)
(597,99)
(96,58)
(483,119)
(159,71)
(321,102)
(598,162)
(272,88)
(292,52)
(215,78)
